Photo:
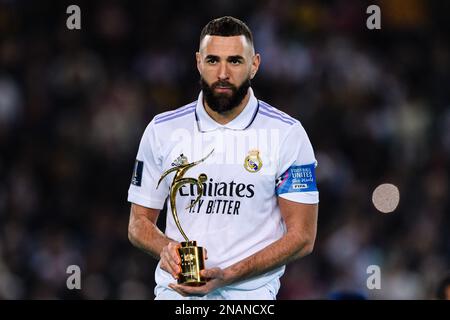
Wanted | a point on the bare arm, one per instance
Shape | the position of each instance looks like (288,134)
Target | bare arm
(143,232)
(297,242)
(301,225)
(145,235)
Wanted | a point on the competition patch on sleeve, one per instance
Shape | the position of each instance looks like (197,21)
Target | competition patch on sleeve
(297,179)
(137,173)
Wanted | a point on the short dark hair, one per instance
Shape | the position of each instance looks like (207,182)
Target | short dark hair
(227,27)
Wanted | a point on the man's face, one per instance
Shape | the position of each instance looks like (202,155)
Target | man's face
(226,66)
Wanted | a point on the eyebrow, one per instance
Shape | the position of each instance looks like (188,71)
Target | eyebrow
(236,57)
(229,58)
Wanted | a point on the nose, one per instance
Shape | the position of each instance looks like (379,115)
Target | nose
(223,71)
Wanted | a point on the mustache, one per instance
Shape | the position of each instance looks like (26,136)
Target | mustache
(222,84)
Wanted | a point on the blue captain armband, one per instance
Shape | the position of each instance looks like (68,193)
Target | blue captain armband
(297,179)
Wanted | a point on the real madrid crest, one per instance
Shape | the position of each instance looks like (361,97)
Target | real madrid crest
(253,162)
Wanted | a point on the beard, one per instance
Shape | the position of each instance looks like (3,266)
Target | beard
(224,102)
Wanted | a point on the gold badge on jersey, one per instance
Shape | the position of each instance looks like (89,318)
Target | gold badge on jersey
(253,162)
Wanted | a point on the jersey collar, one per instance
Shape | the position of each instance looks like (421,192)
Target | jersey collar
(242,121)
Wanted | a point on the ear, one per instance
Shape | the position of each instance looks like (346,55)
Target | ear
(256,61)
(198,57)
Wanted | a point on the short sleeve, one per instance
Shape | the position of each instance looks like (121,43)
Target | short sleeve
(146,173)
(296,178)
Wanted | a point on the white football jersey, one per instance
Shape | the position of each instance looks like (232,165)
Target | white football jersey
(261,154)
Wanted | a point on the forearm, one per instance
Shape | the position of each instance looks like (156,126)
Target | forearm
(145,235)
(281,252)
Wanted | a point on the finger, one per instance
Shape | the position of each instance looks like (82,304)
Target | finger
(170,253)
(174,287)
(189,291)
(173,252)
(174,265)
(170,269)
(184,290)
(168,264)
(174,270)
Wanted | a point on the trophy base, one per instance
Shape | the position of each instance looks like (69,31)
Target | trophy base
(192,262)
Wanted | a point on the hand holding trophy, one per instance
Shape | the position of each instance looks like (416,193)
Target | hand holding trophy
(192,259)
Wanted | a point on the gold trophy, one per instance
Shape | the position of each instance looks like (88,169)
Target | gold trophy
(192,259)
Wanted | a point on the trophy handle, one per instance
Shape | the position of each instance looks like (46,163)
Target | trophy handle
(199,182)
(201,160)
(178,181)
(182,169)
(165,174)
(173,191)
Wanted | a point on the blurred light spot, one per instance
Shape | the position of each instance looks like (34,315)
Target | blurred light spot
(386,197)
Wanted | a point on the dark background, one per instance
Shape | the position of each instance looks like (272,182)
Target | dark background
(74,104)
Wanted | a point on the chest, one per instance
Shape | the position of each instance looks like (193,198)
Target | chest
(237,160)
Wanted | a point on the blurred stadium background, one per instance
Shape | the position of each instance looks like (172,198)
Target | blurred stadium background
(73,105)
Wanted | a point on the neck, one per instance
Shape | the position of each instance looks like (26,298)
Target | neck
(224,118)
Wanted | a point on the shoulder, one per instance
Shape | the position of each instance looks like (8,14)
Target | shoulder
(176,114)
(164,123)
(291,128)
(275,116)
